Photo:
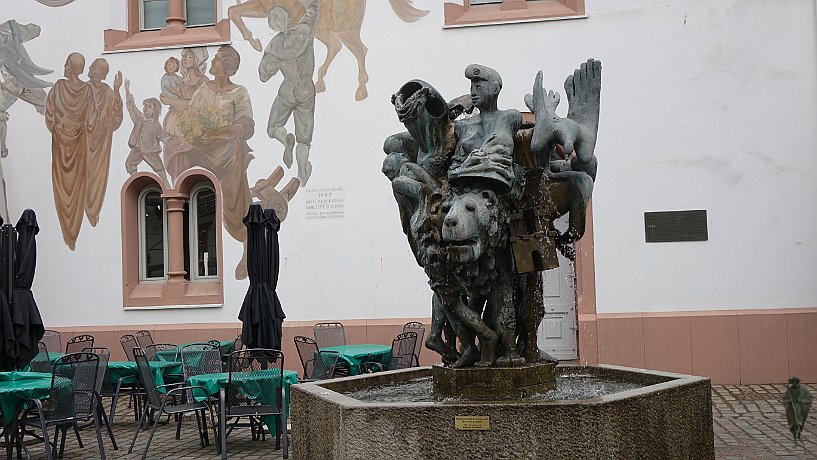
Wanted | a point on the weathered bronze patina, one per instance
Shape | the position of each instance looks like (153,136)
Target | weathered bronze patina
(493,383)
(478,192)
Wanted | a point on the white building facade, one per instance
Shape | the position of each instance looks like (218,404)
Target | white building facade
(706,105)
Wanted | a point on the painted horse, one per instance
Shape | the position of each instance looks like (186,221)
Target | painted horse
(339,23)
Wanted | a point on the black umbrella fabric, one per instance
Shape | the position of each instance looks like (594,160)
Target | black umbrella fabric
(28,325)
(261,312)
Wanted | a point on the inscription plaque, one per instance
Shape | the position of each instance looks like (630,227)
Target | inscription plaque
(472,422)
(675,226)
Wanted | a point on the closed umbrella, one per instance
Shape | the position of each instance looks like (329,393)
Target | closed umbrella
(260,309)
(28,325)
(273,224)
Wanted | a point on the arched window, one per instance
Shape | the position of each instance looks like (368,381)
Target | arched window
(202,250)
(152,231)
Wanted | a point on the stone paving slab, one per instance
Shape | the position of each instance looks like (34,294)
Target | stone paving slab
(749,424)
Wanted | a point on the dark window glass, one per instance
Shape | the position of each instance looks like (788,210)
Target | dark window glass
(154,235)
(154,14)
(200,12)
(206,236)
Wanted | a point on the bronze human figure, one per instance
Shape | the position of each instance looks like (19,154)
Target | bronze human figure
(463,182)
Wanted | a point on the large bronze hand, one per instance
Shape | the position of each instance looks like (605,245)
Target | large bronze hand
(576,132)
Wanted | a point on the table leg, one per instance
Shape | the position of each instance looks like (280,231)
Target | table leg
(222,422)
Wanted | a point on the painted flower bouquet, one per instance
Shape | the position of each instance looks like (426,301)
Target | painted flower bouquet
(196,119)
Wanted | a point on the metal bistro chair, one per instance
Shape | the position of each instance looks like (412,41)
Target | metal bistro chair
(417,327)
(252,370)
(318,365)
(104,356)
(329,334)
(197,359)
(144,338)
(129,342)
(52,340)
(41,362)
(402,354)
(151,351)
(72,399)
(158,403)
(79,343)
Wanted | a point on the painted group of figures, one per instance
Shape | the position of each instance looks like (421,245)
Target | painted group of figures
(207,121)
(478,192)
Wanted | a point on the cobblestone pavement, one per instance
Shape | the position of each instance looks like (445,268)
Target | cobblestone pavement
(749,423)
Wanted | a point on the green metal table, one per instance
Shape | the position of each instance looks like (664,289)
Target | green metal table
(225,348)
(259,386)
(16,388)
(355,355)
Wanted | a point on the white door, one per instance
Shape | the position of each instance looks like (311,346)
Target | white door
(557,332)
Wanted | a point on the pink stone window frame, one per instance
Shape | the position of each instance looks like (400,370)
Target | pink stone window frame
(175,291)
(511,11)
(175,34)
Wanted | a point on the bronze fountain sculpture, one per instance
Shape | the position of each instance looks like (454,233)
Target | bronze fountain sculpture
(478,192)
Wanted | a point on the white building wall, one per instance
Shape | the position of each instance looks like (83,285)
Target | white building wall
(705,105)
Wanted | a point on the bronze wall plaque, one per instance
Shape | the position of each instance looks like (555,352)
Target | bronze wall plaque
(675,226)
(472,422)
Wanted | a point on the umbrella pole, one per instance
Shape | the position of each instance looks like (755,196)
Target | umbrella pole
(8,234)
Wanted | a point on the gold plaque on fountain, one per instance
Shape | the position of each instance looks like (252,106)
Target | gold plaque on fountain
(472,423)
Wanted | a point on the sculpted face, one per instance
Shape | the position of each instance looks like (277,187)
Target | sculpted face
(468,223)
(483,92)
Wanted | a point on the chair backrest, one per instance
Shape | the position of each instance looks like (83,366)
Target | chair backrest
(323,365)
(152,350)
(329,334)
(73,383)
(402,350)
(307,349)
(52,340)
(417,327)
(144,338)
(200,358)
(104,356)
(79,343)
(215,343)
(129,342)
(41,362)
(146,377)
(258,372)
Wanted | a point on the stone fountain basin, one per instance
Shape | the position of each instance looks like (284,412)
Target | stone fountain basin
(670,417)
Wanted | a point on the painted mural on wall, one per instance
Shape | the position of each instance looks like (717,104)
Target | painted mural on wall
(55,3)
(18,80)
(338,25)
(81,116)
(292,53)
(208,124)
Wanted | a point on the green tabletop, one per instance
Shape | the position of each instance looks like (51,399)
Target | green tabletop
(225,348)
(259,386)
(355,355)
(52,356)
(128,370)
(19,387)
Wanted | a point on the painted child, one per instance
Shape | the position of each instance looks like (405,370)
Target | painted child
(147,135)
(170,80)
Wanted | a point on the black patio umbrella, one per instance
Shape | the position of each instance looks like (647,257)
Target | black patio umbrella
(261,312)
(28,325)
